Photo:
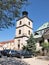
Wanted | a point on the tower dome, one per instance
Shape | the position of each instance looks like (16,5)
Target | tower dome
(24,13)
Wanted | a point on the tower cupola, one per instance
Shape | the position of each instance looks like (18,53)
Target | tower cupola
(24,13)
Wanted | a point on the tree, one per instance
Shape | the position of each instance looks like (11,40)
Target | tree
(9,9)
(31,44)
(45,48)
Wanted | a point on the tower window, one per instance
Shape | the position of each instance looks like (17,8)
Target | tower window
(20,22)
(29,32)
(19,31)
(18,44)
(29,23)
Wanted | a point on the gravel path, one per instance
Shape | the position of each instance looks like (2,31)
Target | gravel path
(12,61)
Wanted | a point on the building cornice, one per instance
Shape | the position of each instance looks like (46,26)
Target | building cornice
(24,25)
(21,37)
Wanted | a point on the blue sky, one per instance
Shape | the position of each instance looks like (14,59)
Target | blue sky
(38,11)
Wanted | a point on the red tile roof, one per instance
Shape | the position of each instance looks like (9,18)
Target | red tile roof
(2,43)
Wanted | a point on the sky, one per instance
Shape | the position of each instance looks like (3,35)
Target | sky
(38,11)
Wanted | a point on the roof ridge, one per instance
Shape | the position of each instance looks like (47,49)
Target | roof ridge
(43,26)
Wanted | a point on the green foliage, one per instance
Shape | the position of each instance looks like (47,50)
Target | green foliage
(9,9)
(31,44)
(45,46)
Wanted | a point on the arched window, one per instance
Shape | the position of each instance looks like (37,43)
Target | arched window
(18,44)
(29,23)
(19,31)
(20,23)
(29,32)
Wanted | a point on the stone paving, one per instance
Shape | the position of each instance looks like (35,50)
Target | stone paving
(37,61)
(25,61)
(11,61)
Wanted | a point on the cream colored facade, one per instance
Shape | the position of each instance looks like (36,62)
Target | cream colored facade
(7,45)
(25,27)
(21,43)
(24,20)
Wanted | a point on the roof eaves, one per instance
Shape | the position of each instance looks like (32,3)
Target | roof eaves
(23,17)
(7,42)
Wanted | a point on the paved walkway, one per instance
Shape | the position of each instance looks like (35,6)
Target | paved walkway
(11,61)
(28,61)
(35,61)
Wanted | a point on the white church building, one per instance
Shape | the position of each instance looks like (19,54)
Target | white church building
(24,28)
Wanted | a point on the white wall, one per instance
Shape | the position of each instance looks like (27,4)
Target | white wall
(24,31)
(22,42)
(24,21)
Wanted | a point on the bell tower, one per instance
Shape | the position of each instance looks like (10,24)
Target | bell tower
(24,28)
